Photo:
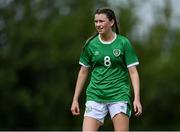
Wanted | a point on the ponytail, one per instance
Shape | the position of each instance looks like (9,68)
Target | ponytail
(116,26)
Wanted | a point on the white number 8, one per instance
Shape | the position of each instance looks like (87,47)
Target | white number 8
(107,61)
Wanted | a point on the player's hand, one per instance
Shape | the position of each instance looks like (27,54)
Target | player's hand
(137,107)
(75,108)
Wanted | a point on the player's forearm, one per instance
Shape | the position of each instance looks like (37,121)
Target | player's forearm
(136,87)
(135,83)
(82,77)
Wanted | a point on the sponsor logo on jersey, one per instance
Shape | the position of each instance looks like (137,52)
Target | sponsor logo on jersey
(96,53)
(116,52)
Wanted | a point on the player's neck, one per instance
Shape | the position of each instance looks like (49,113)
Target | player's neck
(107,36)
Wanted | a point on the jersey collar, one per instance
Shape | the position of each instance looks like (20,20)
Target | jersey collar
(107,42)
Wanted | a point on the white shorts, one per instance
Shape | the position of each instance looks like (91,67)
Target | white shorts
(99,110)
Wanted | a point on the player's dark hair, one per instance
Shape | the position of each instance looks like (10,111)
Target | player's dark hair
(110,15)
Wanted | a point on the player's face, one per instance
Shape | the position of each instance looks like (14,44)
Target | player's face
(102,23)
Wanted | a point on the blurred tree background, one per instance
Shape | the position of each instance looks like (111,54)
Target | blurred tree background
(40,44)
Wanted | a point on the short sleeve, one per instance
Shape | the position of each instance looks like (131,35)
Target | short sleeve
(130,55)
(85,57)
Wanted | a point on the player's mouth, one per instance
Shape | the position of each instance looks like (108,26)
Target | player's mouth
(99,29)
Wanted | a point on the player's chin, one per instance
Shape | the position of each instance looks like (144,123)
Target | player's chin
(101,32)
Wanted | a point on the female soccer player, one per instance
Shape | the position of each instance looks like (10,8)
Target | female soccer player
(111,60)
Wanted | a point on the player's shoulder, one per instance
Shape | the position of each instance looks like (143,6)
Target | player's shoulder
(122,38)
(91,40)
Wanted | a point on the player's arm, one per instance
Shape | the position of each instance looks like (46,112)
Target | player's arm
(136,87)
(82,77)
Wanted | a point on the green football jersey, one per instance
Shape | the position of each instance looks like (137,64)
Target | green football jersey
(109,62)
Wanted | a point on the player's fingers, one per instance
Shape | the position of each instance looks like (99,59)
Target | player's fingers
(139,111)
(135,108)
(75,111)
(78,110)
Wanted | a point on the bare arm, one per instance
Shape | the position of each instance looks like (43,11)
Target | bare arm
(136,87)
(82,77)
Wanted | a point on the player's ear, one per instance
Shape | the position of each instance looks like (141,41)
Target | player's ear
(112,22)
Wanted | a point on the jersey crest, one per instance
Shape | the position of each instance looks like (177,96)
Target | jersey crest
(116,52)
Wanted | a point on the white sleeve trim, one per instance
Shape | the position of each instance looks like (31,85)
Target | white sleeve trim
(83,64)
(133,64)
